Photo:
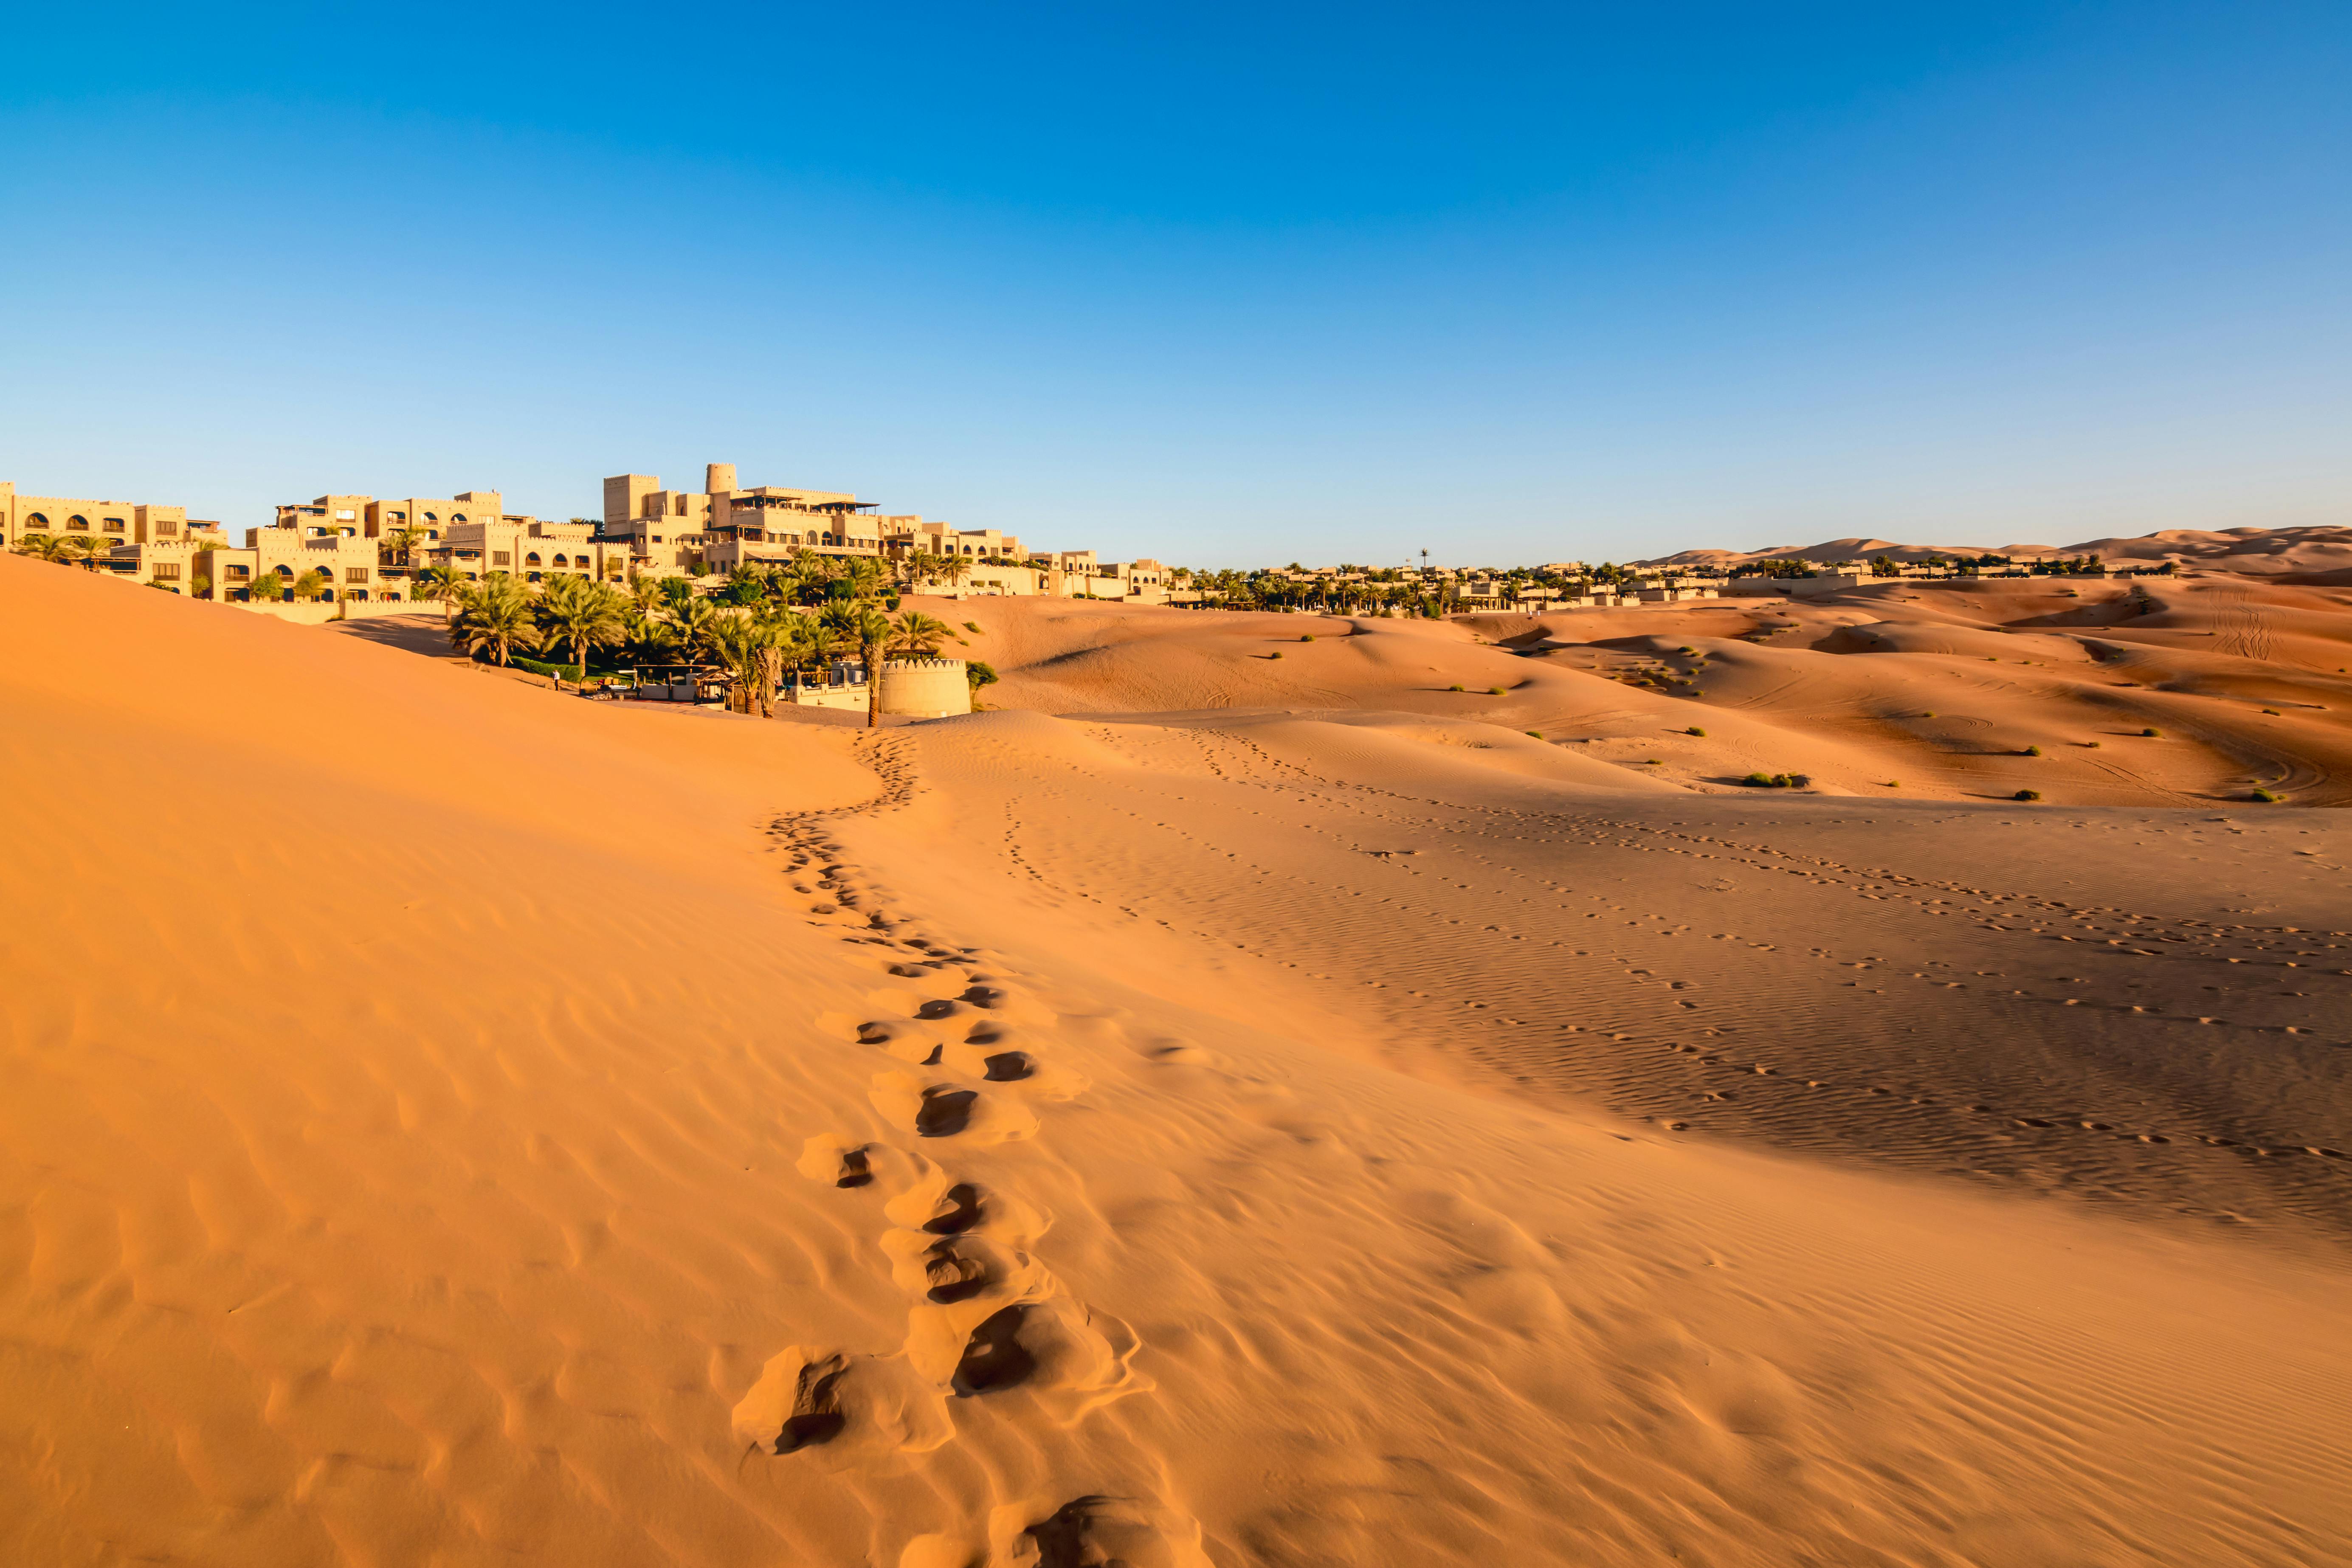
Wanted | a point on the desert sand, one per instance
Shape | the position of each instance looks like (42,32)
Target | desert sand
(1212,1108)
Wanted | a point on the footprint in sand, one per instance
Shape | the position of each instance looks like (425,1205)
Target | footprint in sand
(854,1406)
(934,1110)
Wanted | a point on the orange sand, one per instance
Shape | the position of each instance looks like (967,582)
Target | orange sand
(1288,1117)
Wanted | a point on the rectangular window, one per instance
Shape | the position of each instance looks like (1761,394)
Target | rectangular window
(167,569)
(240,571)
(501,558)
(355,573)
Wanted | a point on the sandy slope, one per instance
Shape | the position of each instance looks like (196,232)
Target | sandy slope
(2287,550)
(531,1129)
(1892,691)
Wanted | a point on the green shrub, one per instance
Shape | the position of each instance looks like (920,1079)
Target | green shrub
(1456,686)
(973,626)
(979,673)
(2266,796)
(2272,711)
(1277,654)
(2091,746)
(2032,751)
(1930,713)
(1534,734)
(2027,795)
(1893,784)
(1308,637)
(2153,733)
(1494,691)
(1695,729)
(1778,780)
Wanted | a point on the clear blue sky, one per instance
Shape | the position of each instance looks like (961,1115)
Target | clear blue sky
(1226,285)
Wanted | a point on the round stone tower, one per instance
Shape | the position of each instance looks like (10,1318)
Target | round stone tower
(925,688)
(719,479)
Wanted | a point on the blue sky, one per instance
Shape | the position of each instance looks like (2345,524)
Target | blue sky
(1222,285)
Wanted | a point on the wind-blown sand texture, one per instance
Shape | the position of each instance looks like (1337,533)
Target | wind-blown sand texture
(1283,1115)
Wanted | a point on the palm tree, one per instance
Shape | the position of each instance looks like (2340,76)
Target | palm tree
(580,614)
(494,617)
(735,642)
(695,623)
(446,584)
(393,549)
(871,630)
(915,632)
(48,547)
(311,585)
(91,549)
(649,637)
(268,587)
(677,593)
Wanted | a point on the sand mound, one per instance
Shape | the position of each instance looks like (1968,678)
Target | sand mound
(453,1123)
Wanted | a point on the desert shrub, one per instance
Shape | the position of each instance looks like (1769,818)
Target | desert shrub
(1695,729)
(1456,686)
(1494,691)
(2091,746)
(2266,796)
(1930,713)
(2153,733)
(2027,795)
(1893,784)
(2032,751)
(1308,637)
(2272,711)
(1534,734)
(1277,654)
(973,626)
(1778,780)
(979,673)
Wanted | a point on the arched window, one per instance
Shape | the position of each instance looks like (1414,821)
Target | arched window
(285,570)
(560,561)
(531,559)
(454,517)
(432,517)
(35,523)
(78,522)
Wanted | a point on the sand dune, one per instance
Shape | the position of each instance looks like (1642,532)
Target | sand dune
(1217,1110)
(2284,550)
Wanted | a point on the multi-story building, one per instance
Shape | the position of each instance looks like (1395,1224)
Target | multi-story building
(671,532)
(121,523)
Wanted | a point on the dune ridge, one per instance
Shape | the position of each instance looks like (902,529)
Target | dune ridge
(2315,547)
(475,1125)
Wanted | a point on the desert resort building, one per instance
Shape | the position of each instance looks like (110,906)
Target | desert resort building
(365,549)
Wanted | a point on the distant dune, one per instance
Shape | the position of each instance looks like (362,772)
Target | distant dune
(1214,1108)
(2251,550)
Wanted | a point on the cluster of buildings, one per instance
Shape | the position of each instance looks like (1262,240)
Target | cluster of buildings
(368,550)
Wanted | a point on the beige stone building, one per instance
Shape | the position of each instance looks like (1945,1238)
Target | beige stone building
(674,532)
(124,522)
